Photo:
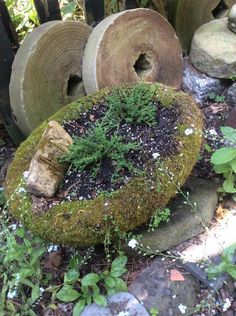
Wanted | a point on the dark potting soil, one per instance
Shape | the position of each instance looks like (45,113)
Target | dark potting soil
(153,140)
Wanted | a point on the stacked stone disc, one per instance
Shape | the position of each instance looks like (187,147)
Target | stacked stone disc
(131,46)
(46,72)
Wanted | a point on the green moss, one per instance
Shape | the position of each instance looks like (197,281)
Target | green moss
(82,222)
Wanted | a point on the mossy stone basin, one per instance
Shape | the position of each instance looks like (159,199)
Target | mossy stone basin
(84,223)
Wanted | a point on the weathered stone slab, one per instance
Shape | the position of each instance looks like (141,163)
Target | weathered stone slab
(45,171)
(184,223)
(213,49)
(154,288)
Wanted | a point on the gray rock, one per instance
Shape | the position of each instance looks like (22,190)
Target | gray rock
(96,310)
(213,49)
(232,19)
(154,288)
(117,303)
(184,223)
(231,95)
(45,170)
(231,119)
(200,85)
(126,302)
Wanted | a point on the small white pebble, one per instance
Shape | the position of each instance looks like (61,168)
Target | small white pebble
(226,305)
(188,131)
(155,155)
(182,308)
(25,175)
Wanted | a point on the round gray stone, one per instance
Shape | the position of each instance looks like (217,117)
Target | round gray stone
(199,85)
(213,49)
(231,95)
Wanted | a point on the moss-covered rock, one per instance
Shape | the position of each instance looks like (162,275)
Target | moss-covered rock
(83,223)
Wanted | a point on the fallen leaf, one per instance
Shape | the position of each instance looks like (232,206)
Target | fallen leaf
(175,275)
(53,260)
(220,212)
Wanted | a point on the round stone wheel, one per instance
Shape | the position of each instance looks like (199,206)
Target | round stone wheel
(83,223)
(132,46)
(46,72)
(188,15)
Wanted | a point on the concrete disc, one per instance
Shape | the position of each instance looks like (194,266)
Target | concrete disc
(46,72)
(131,46)
(188,15)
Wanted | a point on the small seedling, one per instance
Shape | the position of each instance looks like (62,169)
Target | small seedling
(226,264)
(216,98)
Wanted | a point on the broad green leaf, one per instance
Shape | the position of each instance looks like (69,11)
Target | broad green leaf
(229,252)
(79,307)
(35,293)
(222,168)
(95,288)
(90,279)
(121,286)
(120,261)
(231,269)
(228,185)
(67,294)
(20,232)
(100,300)
(229,133)
(71,276)
(111,291)
(223,155)
(38,252)
(88,300)
(233,165)
(110,282)
(215,270)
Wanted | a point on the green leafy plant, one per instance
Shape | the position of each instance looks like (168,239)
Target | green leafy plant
(226,264)
(133,107)
(216,98)
(154,311)
(20,269)
(92,287)
(159,217)
(233,78)
(95,146)
(224,161)
(23,15)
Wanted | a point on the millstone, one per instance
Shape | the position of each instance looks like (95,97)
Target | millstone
(85,222)
(188,15)
(46,72)
(131,46)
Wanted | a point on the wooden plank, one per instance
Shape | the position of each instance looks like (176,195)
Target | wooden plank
(47,10)
(8,25)
(94,11)
(6,60)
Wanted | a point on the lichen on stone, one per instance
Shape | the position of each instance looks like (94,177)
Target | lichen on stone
(83,223)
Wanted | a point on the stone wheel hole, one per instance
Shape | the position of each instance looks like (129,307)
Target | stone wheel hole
(220,10)
(142,65)
(74,85)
